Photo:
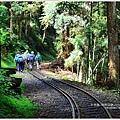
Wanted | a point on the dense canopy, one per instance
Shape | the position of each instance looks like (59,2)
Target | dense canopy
(83,35)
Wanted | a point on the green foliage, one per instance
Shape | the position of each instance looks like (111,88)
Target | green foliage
(3,17)
(4,83)
(47,57)
(61,21)
(8,61)
(4,30)
(18,8)
(16,107)
(64,77)
(58,46)
(22,87)
(32,39)
(78,41)
(76,54)
(49,11)
(100,26)
(3,36)
(69,6)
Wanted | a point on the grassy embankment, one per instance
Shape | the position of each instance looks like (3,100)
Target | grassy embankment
(12,105)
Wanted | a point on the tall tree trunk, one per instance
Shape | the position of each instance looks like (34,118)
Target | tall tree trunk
(26,27)
(80,77)
(17,27)
(113,53)
(29,29)
(11,22)
(90,51)
(20,30)
(65,47)
(65,42)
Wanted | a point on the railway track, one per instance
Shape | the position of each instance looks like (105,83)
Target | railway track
(82,103)
(74,108)
(88,104)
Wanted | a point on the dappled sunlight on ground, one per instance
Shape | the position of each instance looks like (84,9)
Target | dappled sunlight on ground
(56,72)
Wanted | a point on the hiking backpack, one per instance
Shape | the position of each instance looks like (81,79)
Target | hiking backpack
(31,57)
(20,58)
(37,57)
(16,58)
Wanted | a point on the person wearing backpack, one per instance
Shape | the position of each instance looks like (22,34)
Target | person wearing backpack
(26,55)
(16,59)
(38,59)
(19,61)
(31,60)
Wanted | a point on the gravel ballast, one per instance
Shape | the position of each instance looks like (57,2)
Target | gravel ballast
(48,99)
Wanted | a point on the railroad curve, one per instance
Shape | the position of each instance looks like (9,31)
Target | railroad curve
(88,105)
(74,108)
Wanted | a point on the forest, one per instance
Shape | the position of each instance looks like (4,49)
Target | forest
(82,36)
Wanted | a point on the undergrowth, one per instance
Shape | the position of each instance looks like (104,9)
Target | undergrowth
(8,61)
(13,105)
(16,107)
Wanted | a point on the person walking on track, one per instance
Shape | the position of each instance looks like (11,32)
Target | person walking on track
(38,59)
(26,53)
(31,60)
(19,61)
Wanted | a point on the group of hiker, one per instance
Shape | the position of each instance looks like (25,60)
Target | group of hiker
(26,60)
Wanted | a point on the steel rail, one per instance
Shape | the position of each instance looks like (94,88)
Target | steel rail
(107,112)
(75,109)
